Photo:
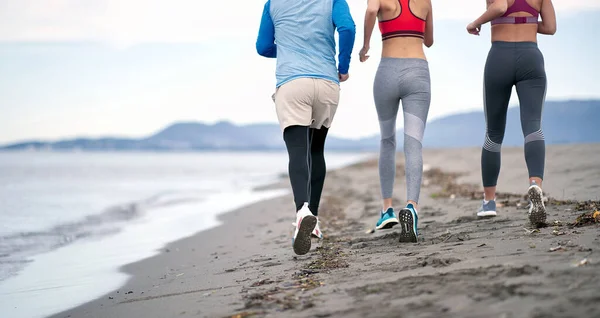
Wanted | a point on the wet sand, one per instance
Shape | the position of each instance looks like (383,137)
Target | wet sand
(461,267)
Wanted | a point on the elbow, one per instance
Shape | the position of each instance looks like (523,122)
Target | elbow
(348,28)
(372,12)
(351,28)
(547,30)
(263,50)
(500,7)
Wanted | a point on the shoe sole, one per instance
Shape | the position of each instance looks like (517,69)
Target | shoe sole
(407,221)
(387,224)
(537,216)
(302,241)
(486,214)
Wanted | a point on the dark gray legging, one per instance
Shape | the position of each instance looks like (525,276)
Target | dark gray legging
(509,64)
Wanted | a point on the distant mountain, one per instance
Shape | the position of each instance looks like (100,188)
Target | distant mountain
(563,122)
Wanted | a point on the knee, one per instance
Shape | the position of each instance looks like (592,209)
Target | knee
(537,135)
(389,141)
(414,127)
(495,135)
(493,142)
(532,131)
(411,142)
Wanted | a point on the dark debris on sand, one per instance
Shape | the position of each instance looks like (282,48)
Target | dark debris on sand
(300,291)
(330,256)
(578,205)
(291,294)
(245,314)
(450,188)
(591,216)
(587,218)
(446,181)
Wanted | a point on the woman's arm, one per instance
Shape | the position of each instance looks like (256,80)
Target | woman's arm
(548,24)
(495,9)
(370,17)
(429,27)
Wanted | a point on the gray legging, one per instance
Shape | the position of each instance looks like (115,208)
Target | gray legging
(406,80)
(509,64)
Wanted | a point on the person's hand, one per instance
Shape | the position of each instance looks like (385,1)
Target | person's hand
(473,28)
(343,77)
(363,54)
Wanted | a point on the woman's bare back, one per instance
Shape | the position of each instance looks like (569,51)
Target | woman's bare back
(403,47)
(517,32)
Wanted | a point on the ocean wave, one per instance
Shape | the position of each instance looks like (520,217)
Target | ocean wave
(15,249)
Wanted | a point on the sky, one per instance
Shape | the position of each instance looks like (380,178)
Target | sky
(94,68)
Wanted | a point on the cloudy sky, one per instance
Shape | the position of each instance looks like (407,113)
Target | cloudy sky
(130,67)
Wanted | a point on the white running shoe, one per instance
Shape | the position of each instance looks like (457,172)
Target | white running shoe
(317,231)
(537,209)
(305,224)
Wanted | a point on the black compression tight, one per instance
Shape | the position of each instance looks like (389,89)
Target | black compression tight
(307,168)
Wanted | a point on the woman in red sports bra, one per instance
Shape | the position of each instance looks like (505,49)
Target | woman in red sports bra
(515,60)
(403,75)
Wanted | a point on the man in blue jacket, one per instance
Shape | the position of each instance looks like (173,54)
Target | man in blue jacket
(300,34)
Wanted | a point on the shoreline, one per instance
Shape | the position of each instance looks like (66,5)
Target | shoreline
(86,267)
(252,269)
(280,184)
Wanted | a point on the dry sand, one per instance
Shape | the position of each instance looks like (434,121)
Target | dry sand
(461,266)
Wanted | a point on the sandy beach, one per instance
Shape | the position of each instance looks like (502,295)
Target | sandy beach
(461,267)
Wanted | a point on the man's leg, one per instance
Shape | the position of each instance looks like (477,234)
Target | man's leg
(294,103)
(324,108)
(297,142)
(317,167)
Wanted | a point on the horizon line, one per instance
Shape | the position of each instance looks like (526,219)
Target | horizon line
(226,121)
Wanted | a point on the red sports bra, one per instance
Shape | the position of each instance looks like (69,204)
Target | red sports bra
(405,24)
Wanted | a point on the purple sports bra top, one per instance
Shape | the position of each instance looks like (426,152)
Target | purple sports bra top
(518,6)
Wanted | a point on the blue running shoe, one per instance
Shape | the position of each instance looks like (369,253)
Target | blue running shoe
(487,209)
(387,220)
(409,220)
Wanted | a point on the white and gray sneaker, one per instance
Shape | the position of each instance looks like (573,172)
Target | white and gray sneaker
(305,225)
(487,209)
(317,231)
(537,210)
